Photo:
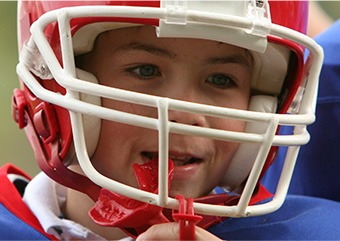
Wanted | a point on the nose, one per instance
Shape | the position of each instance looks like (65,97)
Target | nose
(187,118)
(187,95)
(186,91)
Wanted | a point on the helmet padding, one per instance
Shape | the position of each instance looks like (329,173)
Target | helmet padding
(246,153)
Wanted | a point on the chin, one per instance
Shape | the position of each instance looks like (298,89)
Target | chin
(188,191)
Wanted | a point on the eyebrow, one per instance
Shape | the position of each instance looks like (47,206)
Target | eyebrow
(149,48)
(234,58)
(157,51)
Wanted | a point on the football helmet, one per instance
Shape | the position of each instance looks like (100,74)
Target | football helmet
(60,108)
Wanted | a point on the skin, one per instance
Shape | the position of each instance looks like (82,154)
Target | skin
(201,71)
(170,231)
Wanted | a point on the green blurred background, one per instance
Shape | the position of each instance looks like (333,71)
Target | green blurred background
(14,147)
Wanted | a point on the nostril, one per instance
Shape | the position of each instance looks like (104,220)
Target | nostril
(187,118)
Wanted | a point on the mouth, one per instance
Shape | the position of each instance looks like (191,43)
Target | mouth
(178,160)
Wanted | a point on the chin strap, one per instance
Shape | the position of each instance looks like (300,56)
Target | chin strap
(135,217)
(186,218)
(132,216)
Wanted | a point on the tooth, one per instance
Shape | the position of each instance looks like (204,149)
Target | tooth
(179,158)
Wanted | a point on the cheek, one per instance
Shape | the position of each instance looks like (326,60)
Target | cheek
(239,101)
(130,108)
(112,143)
(218,167)
(225,150)
(116,152)
(226,124)
(117,141)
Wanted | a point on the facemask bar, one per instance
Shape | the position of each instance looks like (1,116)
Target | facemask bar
(66,78)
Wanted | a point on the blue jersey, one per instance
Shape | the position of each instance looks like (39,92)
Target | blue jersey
(14,228)
(318,166)
(300,218)
(17,222)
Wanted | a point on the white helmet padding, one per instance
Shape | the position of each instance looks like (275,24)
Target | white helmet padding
(92,124)
(246,153)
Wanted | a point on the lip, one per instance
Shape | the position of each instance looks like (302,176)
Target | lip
(186,172)
(185,164)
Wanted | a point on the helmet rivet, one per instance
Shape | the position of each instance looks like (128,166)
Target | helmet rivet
(259,3)
(43,69)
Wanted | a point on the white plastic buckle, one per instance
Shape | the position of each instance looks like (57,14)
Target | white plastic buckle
(32,58)
(176,11)
(258,11)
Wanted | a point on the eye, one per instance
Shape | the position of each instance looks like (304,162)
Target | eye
(145,71)
(221,81)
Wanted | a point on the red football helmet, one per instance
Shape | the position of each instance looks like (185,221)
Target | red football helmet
(59,105)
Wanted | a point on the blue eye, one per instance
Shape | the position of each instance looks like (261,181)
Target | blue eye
(145,71)
(221,81)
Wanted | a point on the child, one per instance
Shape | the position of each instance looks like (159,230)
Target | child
(137,113)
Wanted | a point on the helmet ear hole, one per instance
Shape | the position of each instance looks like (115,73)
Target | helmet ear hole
(243,160)
(91,124)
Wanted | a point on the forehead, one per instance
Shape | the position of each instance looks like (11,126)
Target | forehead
(133,38)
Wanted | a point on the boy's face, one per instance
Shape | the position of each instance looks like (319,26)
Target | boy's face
(199,71)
